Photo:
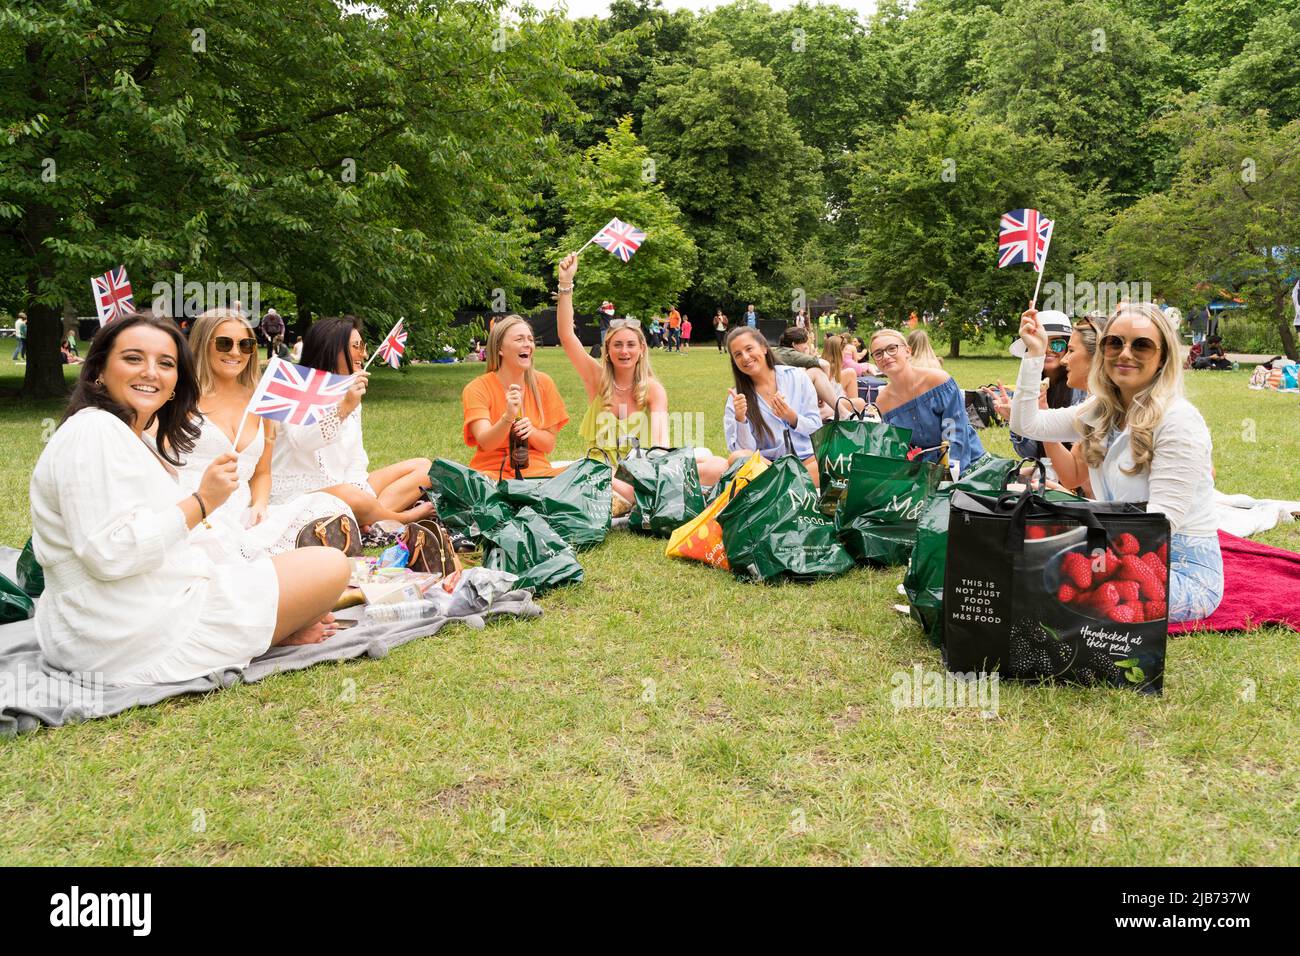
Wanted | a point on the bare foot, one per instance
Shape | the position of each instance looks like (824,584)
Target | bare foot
(313,633)
(423,510)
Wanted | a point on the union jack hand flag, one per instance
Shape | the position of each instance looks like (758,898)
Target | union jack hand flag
(390,349)
(297,395)
(1024,238)
(112,293)
(620,238)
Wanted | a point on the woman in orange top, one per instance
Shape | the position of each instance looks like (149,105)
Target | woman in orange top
(512,394)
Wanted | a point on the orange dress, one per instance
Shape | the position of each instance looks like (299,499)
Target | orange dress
(485,398)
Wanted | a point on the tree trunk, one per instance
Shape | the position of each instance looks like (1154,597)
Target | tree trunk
(1284,328)
(44,378)
(954,344)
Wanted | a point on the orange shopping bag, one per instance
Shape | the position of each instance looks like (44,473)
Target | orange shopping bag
(700,539)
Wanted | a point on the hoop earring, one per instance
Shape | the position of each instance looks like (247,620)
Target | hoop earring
(99,382)
(172,395)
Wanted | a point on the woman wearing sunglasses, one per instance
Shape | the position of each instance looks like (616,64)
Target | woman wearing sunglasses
(926,400)
(225,363)
(1142,441)
(331,454)
(624,399)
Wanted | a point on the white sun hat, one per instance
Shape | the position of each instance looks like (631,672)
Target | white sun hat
(1055,324)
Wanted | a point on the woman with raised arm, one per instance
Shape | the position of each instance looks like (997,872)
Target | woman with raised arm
(129,591)
(768,402)
(1143,441)
(926,400)
(225,363)
(624,399)
(331,455)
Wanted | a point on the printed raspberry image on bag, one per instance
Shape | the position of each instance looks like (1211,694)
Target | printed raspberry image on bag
(1073,591)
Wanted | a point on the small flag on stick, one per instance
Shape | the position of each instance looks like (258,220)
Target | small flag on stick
(392,347)
(112,293)
(295,394)
(1025,237)
(619,238)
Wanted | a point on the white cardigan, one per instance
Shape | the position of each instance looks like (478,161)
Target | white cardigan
(1178,483)
(307,458)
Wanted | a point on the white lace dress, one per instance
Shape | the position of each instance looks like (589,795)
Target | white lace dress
(278,532)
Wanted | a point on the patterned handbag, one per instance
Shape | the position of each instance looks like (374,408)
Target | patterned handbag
(430,548)
(340,532)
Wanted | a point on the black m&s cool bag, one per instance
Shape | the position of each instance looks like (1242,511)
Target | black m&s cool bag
(1038,589)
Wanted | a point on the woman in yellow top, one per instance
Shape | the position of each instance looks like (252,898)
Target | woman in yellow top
(625,400)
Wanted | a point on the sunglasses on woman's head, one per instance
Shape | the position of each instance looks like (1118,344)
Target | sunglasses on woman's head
(225,343)
(1058,345)
(624,324)
(1142,347)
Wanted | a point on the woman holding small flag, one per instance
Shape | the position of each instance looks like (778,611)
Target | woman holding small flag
(330,455)
(130,592)
(225,361)
(624,398)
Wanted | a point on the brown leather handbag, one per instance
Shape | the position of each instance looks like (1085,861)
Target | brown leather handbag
(340,532)
(430,548)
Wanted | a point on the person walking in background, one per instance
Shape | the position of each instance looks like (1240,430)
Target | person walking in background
(72,342)
(674,329)
(720,323)
(751,317)
(20,332)
(272,328)
(685,344)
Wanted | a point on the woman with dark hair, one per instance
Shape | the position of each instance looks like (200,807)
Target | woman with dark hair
(130,593)
(769,402)
(331,455)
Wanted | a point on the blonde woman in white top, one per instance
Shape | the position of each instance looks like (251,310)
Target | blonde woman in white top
(225,363)
(1141,439)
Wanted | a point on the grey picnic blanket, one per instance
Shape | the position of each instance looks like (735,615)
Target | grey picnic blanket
(33,694)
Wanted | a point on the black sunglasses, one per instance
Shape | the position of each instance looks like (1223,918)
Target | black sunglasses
(1142,348)
(225,343)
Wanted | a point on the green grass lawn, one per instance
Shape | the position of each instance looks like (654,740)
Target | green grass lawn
(662,712)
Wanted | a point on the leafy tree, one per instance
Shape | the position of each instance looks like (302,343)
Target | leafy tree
(1229,217)
(1085,73)
(371,161)
(616,180)
(1266,73)
(733,161)
(930,194)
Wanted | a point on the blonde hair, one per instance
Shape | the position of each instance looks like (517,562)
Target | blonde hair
(923,354)
(642,373)
(203,332)
(1106,412)
(494,343)
(878,333)
(833,353)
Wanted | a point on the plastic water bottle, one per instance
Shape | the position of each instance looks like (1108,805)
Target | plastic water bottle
(401,611)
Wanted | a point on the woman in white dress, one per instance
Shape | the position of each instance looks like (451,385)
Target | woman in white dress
(331,455)
(225,362)
(129,594)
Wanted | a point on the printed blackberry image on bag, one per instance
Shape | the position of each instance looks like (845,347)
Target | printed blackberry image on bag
(1073,591)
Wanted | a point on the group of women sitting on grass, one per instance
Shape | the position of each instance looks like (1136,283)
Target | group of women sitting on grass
(165,518)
